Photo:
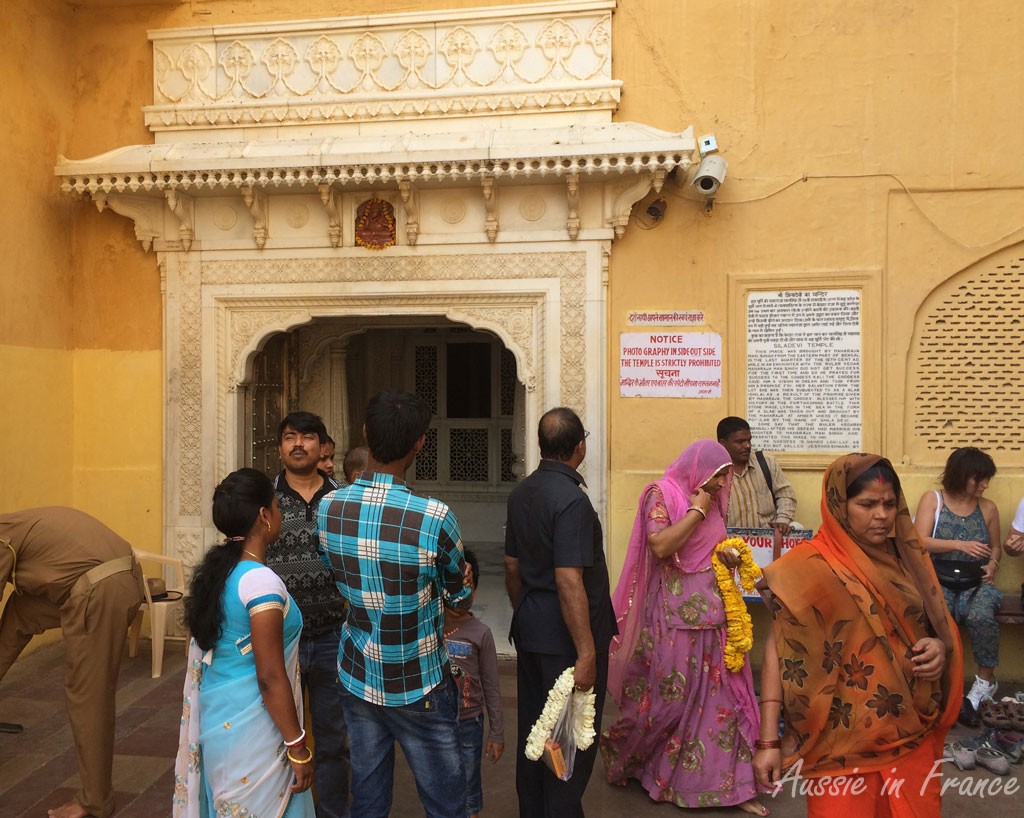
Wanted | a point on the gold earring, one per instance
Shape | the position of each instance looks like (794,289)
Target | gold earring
(268,525)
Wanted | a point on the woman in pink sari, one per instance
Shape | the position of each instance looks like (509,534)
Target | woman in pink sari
(687,724)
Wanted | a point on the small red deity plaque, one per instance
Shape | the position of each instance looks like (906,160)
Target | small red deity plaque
(375,224)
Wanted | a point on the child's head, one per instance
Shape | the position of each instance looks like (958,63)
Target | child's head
(474,565)
(474,568)
(326,463)
(354,463)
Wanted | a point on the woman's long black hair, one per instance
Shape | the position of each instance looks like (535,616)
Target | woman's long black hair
(236,506)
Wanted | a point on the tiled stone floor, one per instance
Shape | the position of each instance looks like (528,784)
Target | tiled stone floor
(37,767)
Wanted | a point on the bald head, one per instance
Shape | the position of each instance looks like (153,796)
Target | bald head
(560,432)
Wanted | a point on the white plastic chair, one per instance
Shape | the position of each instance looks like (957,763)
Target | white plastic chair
(158,608)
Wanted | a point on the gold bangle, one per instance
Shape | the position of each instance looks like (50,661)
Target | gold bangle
(774,744)
(295,760)
(700,511)
(773,701)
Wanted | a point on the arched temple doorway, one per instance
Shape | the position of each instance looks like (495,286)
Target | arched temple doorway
(475,445)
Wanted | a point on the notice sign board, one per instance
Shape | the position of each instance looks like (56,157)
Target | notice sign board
(762,546)
(670,364)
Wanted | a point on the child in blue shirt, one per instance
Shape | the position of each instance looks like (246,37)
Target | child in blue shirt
(470,645)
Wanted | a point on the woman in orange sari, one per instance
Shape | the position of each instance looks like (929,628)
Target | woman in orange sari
(864,659)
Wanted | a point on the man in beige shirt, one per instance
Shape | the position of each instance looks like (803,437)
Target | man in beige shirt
(754,501)
(71,571)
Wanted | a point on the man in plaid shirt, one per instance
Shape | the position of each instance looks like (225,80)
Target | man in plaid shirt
(397,557)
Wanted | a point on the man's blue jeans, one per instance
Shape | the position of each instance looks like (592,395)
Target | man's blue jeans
(318,662)
(428,732)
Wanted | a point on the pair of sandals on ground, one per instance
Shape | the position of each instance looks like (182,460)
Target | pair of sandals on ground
(1004,714)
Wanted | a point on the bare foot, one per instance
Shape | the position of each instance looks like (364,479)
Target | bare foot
(72,809)
(754,807)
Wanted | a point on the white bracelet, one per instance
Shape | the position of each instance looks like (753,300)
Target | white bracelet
(299,740)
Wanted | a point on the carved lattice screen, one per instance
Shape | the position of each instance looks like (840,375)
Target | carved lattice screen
(967,364)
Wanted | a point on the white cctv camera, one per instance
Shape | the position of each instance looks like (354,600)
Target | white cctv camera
(710,175)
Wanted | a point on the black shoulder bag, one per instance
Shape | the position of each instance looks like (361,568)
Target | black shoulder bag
(956,575)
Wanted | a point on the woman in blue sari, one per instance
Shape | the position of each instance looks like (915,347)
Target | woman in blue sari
(242,748)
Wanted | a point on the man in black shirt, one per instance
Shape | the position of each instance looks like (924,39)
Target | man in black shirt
(296,559)
(557,579)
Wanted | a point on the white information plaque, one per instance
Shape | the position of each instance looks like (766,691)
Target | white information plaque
(804,369)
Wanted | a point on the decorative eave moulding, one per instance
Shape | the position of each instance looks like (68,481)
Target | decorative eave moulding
(615,149)
(543,58)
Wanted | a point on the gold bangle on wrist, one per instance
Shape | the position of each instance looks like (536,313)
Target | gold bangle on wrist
(774,744)
(295,760)
(699,510)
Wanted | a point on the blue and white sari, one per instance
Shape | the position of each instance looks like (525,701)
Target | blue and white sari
(232,760)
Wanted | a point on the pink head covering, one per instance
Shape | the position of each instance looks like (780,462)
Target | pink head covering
(698,463)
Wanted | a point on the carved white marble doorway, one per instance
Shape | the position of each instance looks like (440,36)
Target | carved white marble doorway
(545,303)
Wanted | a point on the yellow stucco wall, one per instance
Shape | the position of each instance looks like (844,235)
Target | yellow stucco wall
(877,138)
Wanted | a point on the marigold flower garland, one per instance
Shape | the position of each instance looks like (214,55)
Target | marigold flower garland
(584,712)
(739,629)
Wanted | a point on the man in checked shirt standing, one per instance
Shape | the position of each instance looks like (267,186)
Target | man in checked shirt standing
(397,557)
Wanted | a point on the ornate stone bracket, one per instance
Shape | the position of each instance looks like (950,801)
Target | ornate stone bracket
(184,209)
(410,200)
(572,190)
(491,207)
(332,202)
(623,203)
(256,201)
(144,211)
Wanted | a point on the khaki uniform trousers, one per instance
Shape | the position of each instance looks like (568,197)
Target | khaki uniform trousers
(94,621)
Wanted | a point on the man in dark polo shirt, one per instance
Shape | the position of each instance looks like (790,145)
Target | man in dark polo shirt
(296,559)
(557,579)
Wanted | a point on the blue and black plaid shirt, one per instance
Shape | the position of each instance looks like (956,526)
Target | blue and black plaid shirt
(396,556)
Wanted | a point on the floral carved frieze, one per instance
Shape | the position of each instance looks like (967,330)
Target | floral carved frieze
(543,57)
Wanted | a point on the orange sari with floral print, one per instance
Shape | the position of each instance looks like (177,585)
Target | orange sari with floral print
(846,617)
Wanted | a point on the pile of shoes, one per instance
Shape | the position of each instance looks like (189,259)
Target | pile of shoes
(1001,742)
(992,749)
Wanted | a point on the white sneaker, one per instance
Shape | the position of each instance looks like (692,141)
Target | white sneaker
(981,690)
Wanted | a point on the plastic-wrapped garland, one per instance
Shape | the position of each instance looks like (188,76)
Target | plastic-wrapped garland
(584,712)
